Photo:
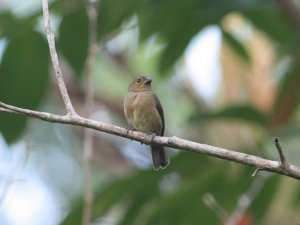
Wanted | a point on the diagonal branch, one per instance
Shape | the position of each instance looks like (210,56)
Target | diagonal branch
(8,111)
(173,142)
(246,199)
(55,63)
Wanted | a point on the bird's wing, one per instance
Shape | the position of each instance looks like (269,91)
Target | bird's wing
(161,113)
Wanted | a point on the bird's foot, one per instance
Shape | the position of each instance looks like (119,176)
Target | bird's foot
(153,136)
(128,129)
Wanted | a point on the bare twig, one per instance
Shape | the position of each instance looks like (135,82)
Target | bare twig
(283,160)
(255,172)
(173,142)
(212,203)
(246,200)
(92,12)
(55,62)
(8,111)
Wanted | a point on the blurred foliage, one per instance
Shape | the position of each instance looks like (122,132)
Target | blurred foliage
(174,196)
(165,29)
(237,46)
(74,32)
(24,73)
(242,112)
(288,94)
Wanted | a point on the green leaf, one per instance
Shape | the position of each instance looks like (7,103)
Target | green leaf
(128,189)
(24,76)
(296,200)
(107,198)
(142,201)
(176,21)
(73,39)
(186,201)
(11,26)
(288,95)
(112,13)
(264,198)
(7,23)
(169,19)
(242,112)
(270,18)
(237,46)
(179,21)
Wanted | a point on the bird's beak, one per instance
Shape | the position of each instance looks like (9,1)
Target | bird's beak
(148,80)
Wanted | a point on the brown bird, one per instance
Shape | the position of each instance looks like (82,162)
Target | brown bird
(144,113)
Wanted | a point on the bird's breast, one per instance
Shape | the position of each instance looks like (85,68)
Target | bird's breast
(145,116)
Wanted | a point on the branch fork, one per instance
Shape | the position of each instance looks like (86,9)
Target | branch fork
(284,163)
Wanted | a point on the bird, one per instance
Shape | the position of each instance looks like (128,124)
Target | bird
(144,113)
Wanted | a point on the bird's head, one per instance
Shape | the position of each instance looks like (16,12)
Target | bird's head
(141,83)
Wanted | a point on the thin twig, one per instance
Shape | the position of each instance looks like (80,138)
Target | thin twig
(55,62)
(283,160)
(173,142)
(212,203)
(8,111)
(246,200)
(92,12)
(255,172)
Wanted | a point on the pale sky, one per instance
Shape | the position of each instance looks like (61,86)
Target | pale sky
(202,62)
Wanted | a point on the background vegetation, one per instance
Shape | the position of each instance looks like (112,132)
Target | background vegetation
(257,99)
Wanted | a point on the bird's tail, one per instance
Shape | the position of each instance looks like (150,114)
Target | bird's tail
(159,157)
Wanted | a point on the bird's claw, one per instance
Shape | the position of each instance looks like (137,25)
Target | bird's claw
(128,129)
(153,136)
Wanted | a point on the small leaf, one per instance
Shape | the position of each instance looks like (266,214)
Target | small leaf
(112,13)
(7,23)
(24,76)
(237,46)
(177,22)
(267,16)
(288,95)
(73,40)
(243,112)
(265,197)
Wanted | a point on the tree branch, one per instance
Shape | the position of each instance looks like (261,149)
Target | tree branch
(55,62)
(72,118)
(8,111)
(173,142)
(246,200)
(92,12)
(212,203)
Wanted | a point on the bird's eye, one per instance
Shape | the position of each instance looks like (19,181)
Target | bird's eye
(138,80)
